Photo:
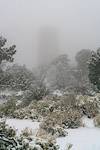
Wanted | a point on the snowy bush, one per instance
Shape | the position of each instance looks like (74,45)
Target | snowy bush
(72,119)
(40,92)
(68,100)
(90,109)
(97,121)
(35,111)
(19,77)
(9,140)
(89,105)
(64,103)
(53,132)
(6,130)
(8,108)
(26,113)
(26,132)
(65,119)
(34,93)
(45,145)
(60,132)
(69,146)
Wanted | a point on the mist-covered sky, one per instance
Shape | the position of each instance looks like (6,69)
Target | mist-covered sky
(77,23)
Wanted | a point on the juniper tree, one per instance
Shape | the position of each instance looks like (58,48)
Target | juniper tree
(19,77)
(58,75)
(94,69)
(6,53)
(82,57)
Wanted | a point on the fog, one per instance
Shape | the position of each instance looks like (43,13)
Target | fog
(77,23)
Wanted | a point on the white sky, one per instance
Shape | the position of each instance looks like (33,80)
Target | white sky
(77,21)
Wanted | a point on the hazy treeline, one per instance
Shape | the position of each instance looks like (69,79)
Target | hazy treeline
(58,74)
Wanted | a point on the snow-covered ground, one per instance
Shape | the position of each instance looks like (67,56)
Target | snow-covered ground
(81,139)
(84,138)
(19,125)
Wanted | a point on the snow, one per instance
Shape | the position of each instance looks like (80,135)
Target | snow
(19,93)
(6,92)
(88,122)
(84,138)
(57,92)
(81,139)
(19,125)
